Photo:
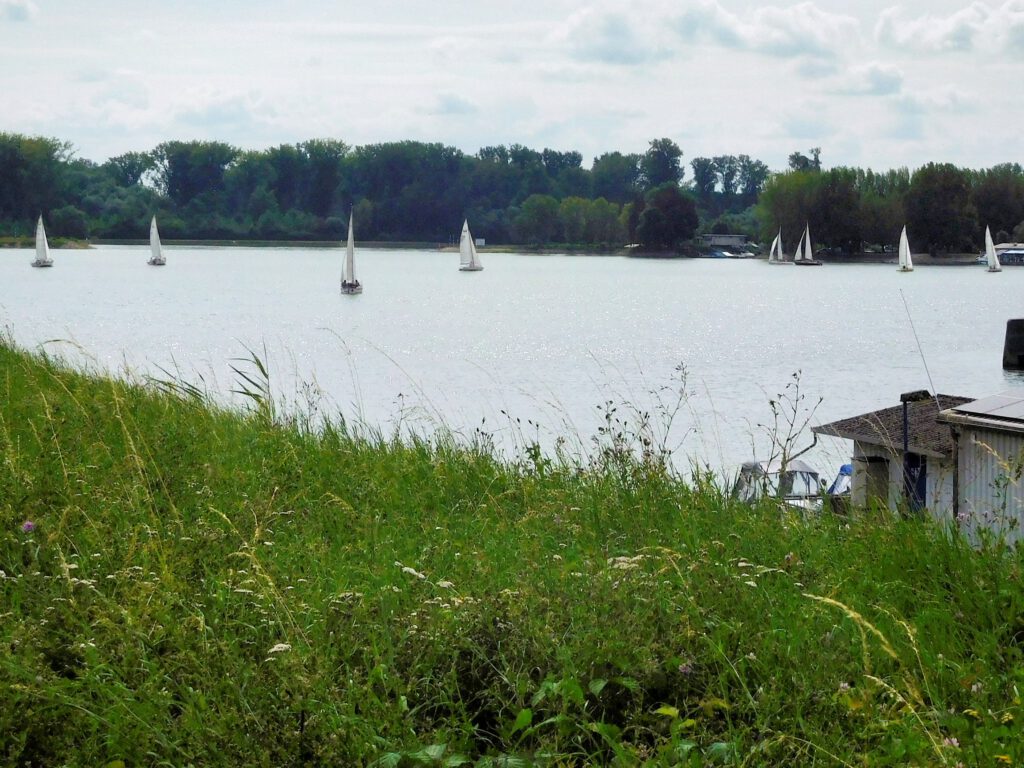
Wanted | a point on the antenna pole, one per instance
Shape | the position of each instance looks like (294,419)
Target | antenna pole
(920,351)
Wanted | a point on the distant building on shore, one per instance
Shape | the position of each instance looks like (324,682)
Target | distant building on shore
(722,241)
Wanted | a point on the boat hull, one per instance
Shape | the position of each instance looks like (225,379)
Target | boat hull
(807,263)
(905,269)
(351,289)
(470,269)
(42,263)
(154,263)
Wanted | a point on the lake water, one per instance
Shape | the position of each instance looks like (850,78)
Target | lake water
(534,345)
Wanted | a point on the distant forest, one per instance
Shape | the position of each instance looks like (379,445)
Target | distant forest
(420,192)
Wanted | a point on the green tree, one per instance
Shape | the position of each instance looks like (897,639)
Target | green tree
(602,224)
(669,217)
(940,214)
(801,162)
(31,169)
(573,213)
(752,177)
(998,196)
(661,164)
(129,168)
(705,180)
(615,176)
(538,219)
(187,169)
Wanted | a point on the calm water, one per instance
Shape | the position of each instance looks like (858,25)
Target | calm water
(546,339)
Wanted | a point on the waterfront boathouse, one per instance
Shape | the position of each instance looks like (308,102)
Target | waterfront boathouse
(958,458)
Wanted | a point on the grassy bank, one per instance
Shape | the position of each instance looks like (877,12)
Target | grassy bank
(185,585)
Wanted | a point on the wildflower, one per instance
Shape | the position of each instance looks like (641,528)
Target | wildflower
(1004,759)
(951,741)
(445,584)
(976,688)
(752,656)
(412,572)
(28,526)
(280,648)
(686,668)
(1006,718)
(844,687)
(750,583)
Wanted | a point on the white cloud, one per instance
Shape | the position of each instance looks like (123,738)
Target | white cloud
(608,35)
(946,99)
(873,79)
(970,28)
(224,114)
(17,10)
(799,30)
(450,104)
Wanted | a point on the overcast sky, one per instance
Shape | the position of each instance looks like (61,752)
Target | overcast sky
(872,83)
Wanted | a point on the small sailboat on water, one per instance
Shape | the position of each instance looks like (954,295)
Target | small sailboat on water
(906,260)
(42,247)
(990,253)
(805,255)
(156,258)
(349,284)
(469,261)
(775,254)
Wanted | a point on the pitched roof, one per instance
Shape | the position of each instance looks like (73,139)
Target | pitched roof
(926,435)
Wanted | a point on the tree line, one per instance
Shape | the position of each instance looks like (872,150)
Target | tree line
(945,208)
(420,192)
(399,191)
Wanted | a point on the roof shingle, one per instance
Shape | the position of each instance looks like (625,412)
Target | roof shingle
(926,435)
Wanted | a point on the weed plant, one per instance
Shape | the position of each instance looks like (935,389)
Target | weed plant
(182,584)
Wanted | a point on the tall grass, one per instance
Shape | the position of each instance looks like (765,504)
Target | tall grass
(181,584)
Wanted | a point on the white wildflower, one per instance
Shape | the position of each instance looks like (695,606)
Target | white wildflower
(280,648)
(412,572)
(445,584)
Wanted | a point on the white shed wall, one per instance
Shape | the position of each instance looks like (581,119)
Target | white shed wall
(991,486)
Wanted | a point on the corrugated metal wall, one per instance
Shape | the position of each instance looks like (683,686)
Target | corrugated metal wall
(991,486)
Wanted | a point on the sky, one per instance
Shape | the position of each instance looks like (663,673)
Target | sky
(873,84)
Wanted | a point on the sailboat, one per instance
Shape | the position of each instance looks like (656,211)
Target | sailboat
(157,259)
(349,284)
(990,253)
(775,255)
(469,261)
(906,260)
(805,257)
(42,247)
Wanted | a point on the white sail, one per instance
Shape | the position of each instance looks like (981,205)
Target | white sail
(773,255)
(906,260)
(469,261)
(42,247)
(798,254)
(156,249)
(808,251)
(349,284)
(990,253)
